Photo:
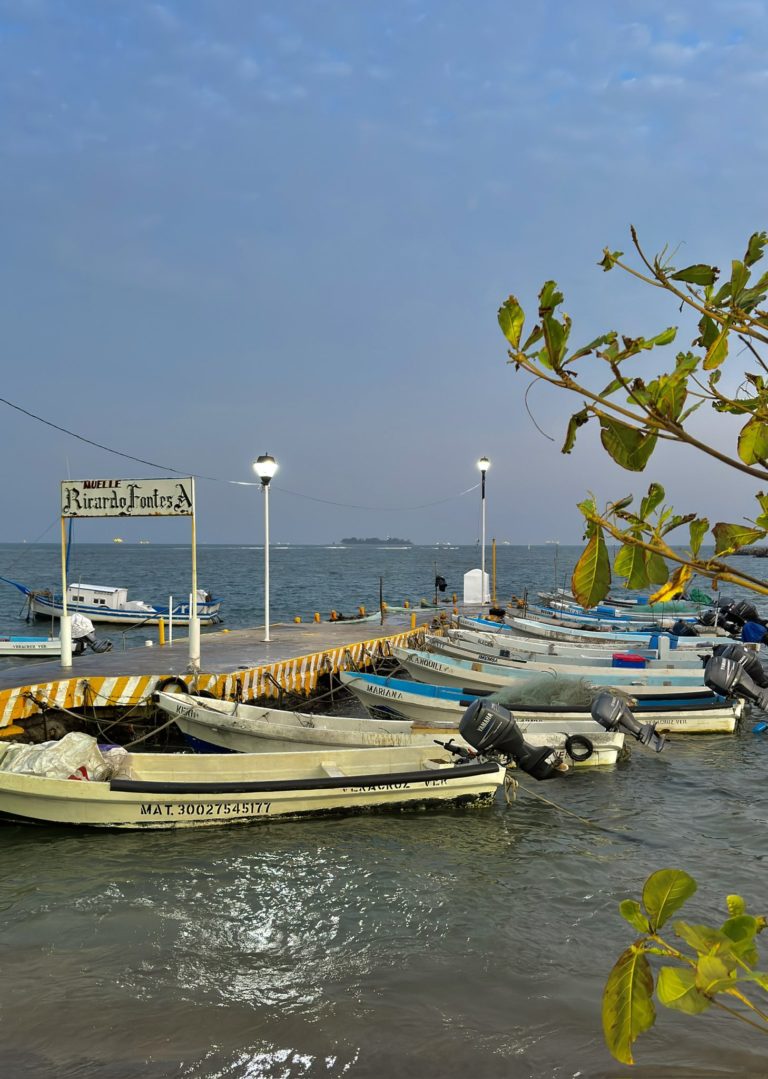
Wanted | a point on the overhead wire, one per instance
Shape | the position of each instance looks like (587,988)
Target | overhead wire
(218,479)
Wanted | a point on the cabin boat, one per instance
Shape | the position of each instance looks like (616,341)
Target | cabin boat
(227,726)
(105,604)
(186,790)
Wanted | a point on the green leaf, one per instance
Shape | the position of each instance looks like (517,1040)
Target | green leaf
(511,318)
(592,575)
(718,350)
(630,563)
(653,499)
(609,258)
(757,242)
(730,538)
(632,912)
(739,277)
(740,927)
(702,938)
(698,274)
(735,903)
(628,1003)
(535,335)
(658,572)
(753,442)
(666,337)
(664,892)
(677,989)
(628,446)
(708,329)
(604,339)
(577,420)
(549,298)
(712,975)
(698,529)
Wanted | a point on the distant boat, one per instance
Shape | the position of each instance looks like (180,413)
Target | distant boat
(117,539)
(102,603)
(143,541)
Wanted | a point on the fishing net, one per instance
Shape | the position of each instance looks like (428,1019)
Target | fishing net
(553,691)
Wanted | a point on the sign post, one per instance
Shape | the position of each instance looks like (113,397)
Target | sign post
(129,498)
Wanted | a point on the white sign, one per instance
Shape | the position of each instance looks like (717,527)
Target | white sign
(128,498)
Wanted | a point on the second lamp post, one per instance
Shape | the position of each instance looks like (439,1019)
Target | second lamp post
(483,464)
(265,468)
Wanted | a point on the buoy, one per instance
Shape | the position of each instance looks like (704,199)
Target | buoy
(148,644)
(317,616)
(297,618)
(361,611)
(406,604)
(334,616)
(760,727)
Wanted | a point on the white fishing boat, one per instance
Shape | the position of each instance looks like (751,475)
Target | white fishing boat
(187,790)
(105,604)
(491,648)
(529,627)
(514,645)
(30,646)
(449,671)
(396,698)
(215,725)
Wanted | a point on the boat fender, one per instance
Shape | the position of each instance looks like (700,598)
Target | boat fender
(173,683)
(207,694)
(579,747)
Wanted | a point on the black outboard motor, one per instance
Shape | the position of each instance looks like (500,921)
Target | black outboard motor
(83,636)
(683,629)
(734,671)
(743,611)
(440,583)
(491,728)
(614,714)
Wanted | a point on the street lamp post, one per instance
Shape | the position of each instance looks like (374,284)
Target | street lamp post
(483,464)
(265,468)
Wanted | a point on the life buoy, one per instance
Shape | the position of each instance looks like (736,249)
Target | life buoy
(207,694)
(172,684)
(579,747)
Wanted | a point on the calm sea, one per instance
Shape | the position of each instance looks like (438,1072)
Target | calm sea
(447,944)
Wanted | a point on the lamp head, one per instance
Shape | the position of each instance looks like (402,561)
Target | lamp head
(483,464)
(265,468)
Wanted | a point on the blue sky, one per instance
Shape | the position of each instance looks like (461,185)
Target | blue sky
(233,228)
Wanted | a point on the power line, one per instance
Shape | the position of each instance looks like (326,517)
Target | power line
(218,479)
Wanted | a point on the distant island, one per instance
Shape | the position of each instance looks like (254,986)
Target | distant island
(390,540)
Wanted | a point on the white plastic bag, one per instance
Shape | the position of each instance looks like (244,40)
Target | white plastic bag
(75,756)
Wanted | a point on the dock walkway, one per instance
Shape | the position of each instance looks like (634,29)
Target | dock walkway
(233,662)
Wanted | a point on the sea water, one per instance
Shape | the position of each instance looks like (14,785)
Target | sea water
(443,944)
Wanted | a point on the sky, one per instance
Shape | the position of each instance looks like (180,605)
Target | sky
(233,228)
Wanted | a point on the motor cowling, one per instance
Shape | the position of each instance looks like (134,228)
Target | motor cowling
(683,629)
(489,727)
(734,671)
(614,714)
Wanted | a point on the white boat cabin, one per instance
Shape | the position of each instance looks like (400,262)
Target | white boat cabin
(94,595)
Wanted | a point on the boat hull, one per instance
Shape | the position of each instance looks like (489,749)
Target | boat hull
(46,607)
(191,791)
(216,726)
(30,646)
(425,705)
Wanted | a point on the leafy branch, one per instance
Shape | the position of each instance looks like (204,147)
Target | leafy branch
(719,965)
(634,412)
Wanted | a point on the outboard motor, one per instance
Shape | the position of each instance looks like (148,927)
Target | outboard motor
(83,636)
(683,629)
(744,612)
(614,714)
(440,583)
(491,728)
(733,671)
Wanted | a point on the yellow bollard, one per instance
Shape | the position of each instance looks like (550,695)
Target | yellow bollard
(453,597)
(384,606)
(406,604)
(317,616)
(455,610)
(413,620)
(297,618)
(161,633)
(361,611)
(334,616)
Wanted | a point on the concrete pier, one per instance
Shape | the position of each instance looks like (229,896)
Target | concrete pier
(233,663)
